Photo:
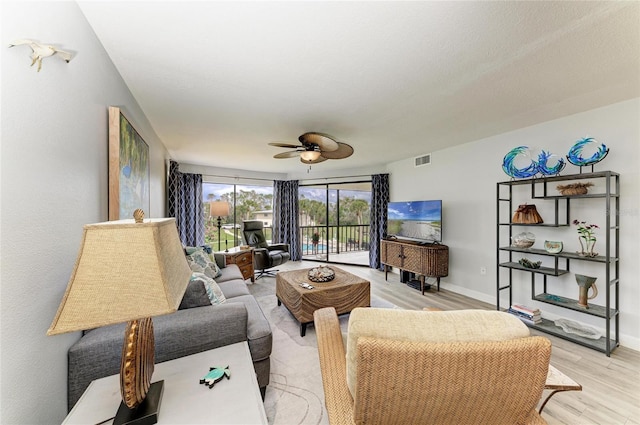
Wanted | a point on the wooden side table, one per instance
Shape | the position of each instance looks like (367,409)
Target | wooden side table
(557,382)
(243,259)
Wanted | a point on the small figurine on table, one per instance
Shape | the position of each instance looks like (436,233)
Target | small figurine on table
(215,375)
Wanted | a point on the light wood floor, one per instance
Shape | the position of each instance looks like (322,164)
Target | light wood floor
(610,385)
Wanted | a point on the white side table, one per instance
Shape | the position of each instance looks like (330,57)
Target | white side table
(185,400)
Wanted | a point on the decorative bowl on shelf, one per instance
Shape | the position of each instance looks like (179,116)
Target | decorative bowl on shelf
(574,188)
(525,262)
(321,274)
(523,240)
(553,247)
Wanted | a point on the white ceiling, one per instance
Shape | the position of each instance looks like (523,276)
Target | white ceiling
(219,80)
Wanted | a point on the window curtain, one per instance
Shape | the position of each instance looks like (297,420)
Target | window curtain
(285,216)
(184,202)
(378,218)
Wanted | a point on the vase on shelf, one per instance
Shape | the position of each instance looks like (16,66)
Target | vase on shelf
(586,233)
(587,248)
(585,283)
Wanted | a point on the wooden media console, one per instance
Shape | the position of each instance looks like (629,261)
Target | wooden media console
(430,260)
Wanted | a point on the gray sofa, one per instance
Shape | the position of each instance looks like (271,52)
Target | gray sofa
(185,332)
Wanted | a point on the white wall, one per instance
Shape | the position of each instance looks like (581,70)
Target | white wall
(54,179)
(465,178)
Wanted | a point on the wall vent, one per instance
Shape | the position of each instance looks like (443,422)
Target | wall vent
(422,160)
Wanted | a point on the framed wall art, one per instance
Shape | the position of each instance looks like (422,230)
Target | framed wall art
(128,168)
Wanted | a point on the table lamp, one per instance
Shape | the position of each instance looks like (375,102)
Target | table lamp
(127,271)
(220,209)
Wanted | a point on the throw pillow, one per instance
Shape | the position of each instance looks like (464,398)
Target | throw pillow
(195,295)
(201,262)
(188,250)
(215,294)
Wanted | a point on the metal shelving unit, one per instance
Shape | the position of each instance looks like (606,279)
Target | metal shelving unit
(610,312)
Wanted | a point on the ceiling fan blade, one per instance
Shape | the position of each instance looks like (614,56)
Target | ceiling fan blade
(320,159)
(284,145)
(343,151)
(323,141)
(290,154)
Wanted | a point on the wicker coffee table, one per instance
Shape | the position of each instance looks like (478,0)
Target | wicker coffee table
(345,292)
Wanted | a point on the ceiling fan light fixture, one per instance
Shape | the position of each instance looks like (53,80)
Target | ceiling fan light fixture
(310,155)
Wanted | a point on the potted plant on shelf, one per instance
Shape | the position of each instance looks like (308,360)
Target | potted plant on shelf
(586,233)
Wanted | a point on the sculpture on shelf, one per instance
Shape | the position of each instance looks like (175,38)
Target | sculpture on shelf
(585,283)
(575,153)
(525,262)
(518,163)
(529,169)
(527,214)
(571,327)
(547,170)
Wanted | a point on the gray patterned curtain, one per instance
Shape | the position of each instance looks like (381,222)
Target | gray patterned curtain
(285,216)
(184,201)
(378,218)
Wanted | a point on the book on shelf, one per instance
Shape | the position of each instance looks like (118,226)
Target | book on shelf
(528,321)
(525,309)
(533,318)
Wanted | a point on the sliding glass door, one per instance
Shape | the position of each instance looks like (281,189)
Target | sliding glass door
(334,222)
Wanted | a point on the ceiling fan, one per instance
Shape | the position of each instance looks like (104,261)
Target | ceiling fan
(314,148)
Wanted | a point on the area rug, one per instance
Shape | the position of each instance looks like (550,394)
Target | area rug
(294,395)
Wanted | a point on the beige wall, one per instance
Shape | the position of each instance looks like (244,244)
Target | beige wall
(53,181)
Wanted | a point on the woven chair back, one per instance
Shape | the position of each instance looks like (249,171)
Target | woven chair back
(402,382)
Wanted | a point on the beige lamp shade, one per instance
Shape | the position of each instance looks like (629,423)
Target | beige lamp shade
(124,271)
(219,209)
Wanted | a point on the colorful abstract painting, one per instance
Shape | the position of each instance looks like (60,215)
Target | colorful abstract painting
(128,168)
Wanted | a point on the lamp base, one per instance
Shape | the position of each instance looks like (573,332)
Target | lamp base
(144,414)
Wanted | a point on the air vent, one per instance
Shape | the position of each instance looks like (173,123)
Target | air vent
(420,161)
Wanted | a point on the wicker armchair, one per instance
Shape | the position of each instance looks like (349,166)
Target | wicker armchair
(452,367)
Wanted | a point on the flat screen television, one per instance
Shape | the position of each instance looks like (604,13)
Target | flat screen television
(415,220)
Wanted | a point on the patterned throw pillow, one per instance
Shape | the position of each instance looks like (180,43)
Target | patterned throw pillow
(195,295)
(213,290)
(201,262)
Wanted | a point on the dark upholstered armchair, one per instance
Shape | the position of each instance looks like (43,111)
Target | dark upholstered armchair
(265,256)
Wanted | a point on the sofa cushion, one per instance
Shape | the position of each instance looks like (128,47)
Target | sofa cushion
(195,295)
(201,262)
(428,326)
(233,288)
(231,272)
(258,329)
